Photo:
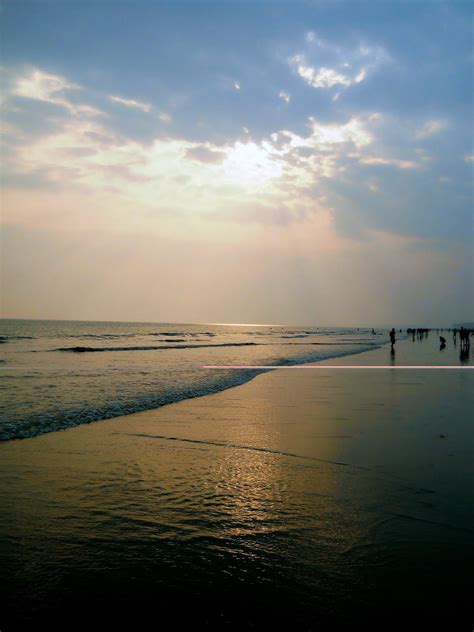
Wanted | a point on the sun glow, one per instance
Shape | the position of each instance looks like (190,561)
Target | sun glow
(251,163)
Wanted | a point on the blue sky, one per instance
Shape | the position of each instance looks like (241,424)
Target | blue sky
(327,133)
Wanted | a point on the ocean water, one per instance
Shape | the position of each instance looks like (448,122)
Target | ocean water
(305,499)
(59,374)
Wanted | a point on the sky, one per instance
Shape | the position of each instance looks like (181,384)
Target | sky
(303,162)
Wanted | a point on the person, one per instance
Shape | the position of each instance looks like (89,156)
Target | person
(392,337)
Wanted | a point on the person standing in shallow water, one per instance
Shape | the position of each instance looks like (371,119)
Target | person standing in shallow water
(392,337)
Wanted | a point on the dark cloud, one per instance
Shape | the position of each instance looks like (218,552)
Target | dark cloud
(203,154)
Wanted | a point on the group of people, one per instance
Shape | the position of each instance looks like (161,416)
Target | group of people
(420,333)
(464,337)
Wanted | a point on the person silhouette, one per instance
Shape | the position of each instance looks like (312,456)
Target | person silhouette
(392,337)
(464,354)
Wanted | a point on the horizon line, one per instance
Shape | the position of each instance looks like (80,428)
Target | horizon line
(222,324)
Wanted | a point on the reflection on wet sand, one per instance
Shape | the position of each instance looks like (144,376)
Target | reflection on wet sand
(334,497)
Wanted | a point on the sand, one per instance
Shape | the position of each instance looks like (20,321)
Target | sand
(323,496)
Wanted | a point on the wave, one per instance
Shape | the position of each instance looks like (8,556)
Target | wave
(212,382)
(98,336)
(81,349)
(153,347)
(352,343)
(7,338)
(112,336)
(181,333)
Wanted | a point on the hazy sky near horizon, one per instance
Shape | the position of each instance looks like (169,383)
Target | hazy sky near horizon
(282,162)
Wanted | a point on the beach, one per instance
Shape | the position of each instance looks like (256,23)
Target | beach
(314,497)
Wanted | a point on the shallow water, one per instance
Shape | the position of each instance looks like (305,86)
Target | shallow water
(58,374)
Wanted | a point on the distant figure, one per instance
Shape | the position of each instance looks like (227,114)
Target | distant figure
(464,354)
(464,337)
(467,341)
(442,343)
(392,337)
(373,331)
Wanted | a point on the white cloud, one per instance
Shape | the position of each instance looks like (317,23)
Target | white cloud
(236,85)
(395,162)
(164,117)
(354,131)
(336,65)
(430,128)
(469,158)
(285,96)
(171,173)
(131,103)
(281,170)
(41,86)
(323,77)
(373,186)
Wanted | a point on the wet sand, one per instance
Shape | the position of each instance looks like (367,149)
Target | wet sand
(316,496)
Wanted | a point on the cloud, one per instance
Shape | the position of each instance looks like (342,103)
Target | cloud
(277,171)
(469,158)
(354,162)
(323,77)
(354,131)
(325,64)
(311,37)
(373,186)
(395,162)
(284,96)
(237,85)
(204,154)
(164,117)
(41,86)
(131,103)
(431,128)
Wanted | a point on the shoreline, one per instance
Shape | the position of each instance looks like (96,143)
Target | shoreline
(240,380)
(316,496)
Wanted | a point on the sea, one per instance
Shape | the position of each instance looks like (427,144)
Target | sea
(60,374)
(304,501)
